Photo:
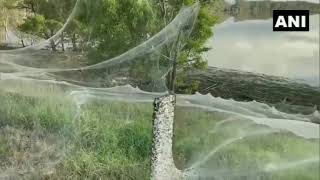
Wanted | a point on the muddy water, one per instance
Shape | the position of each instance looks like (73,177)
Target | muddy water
(245,41)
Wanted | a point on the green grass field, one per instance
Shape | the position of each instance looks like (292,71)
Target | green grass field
(48,137)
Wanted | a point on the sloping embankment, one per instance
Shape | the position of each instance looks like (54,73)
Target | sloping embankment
(285,94)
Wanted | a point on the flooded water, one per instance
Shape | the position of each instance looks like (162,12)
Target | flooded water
(245,41)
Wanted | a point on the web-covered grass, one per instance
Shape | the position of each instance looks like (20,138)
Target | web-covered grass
(50,138)
(214,146)
(105,140)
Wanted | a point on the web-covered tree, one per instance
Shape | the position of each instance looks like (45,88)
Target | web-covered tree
(47,17)
(107,28)
(190,54)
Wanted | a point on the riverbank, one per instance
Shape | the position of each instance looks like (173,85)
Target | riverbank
(285,94)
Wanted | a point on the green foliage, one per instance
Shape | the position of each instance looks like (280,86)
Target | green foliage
(52,26)
(190,56)
(122,24)
(33,25)
(107,28)
(47,17)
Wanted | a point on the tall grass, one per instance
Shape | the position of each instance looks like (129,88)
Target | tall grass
(104,140)
(113,140)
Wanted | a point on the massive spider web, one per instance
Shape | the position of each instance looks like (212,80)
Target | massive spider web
(55,103)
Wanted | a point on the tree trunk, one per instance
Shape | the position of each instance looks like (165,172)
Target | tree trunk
(22,42)
(62,41)
(74,42)
(163,167)
(176,50)
(53,45)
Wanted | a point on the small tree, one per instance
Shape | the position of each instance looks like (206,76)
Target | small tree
(37,25)
(189,56)
(74,28)
(33,25)
(50,29)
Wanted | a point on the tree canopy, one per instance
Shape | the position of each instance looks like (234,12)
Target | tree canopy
(109,27)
